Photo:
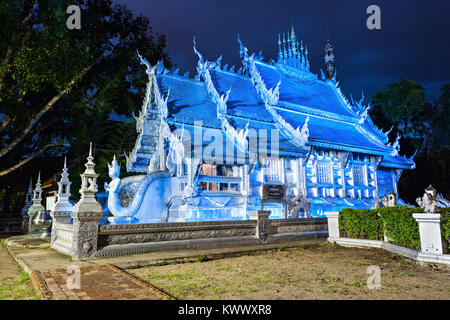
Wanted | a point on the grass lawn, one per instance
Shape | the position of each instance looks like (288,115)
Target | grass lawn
(15,284)
(311,271)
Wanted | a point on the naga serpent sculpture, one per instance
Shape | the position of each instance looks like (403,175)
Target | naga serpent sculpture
(113,187)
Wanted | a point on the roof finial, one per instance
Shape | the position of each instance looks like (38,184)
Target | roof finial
(329,60)
(293,41)
(289,45)
(90,149)
(65,162)
(306,57)
(280,53)
(293,38)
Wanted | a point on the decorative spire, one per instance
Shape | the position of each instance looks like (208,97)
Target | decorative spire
(289,45)
(306,58)
(90,164)
(88,189)
(301,52)
(294,47)
(29,196)
(329,60)
(30,186)
(63,204)
(293,41)
(37,193)
(280,53)
(293,53)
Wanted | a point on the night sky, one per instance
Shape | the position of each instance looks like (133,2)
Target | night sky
(413,42)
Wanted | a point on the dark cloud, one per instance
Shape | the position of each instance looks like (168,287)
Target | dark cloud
(412,44)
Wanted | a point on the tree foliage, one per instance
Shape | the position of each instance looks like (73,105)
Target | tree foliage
(58,87)
(422,126)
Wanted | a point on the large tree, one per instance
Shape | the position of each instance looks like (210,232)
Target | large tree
(58,87)
(423,127)
(402,107)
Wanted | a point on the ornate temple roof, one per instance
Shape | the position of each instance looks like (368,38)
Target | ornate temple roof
(281,94)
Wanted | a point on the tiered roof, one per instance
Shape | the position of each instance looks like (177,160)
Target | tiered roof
(280,94)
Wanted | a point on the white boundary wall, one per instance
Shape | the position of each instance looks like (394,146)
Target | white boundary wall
(333,229)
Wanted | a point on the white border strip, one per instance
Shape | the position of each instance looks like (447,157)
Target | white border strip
(406,252)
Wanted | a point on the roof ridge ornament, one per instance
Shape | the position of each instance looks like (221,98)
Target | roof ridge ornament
(221,100)
(395,146)
(270,98)
(293,53)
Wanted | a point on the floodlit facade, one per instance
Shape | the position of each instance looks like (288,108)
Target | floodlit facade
(207,145)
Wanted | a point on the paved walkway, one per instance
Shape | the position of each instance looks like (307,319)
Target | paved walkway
(101,278)
(103,282)
(45,258)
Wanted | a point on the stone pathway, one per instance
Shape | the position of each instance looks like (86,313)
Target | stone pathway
(101,282)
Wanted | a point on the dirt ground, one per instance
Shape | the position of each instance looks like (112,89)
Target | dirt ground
(14,283)
(325,272)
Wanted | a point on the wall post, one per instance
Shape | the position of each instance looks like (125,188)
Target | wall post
(430,232)
(333,224)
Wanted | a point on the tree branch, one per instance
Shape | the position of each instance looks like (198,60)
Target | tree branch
(9,51)
(47,107)
(25,161)
(5,123)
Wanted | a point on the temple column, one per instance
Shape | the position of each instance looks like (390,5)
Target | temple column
(301,165)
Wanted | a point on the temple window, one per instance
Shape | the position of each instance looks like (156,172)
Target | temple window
(274,171)
(363,174)
(209,170)
(324,172)
(234,187)
(213,186)
(220,170)
(324,178)
(359,175)
(219,178)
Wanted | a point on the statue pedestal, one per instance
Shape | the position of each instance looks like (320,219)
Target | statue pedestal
(430,232)
(85,233)
(60,219)
(262,228)
(333,224)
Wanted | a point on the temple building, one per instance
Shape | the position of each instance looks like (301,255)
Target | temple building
(228,132)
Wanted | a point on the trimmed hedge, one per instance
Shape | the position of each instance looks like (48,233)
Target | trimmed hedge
(400,227)
(445,224)
(361,223)
(396,223)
